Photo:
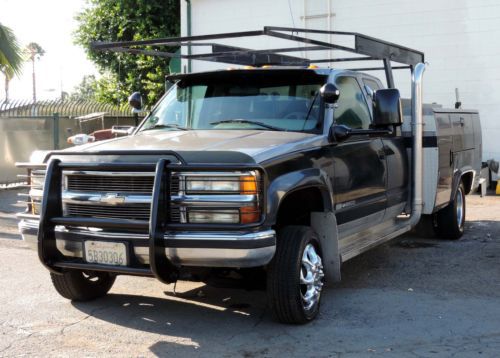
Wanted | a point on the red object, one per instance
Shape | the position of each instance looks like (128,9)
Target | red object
(102,134)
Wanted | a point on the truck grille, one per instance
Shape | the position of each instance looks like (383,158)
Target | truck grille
(136,212)
(122,183)
(131,212)
(142,185)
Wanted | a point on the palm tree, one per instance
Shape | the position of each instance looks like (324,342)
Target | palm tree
(11,59)
(34,51)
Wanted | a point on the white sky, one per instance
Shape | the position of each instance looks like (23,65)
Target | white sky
(50,23)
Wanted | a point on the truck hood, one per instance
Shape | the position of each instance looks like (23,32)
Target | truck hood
(258,144)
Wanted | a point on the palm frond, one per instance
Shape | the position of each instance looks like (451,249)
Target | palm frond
(11,59)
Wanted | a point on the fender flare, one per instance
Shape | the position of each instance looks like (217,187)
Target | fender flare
(457,178)
(291,182)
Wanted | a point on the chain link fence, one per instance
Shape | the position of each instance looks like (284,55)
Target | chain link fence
(27,126)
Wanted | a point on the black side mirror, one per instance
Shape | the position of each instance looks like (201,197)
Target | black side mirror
(135,101)
(339,133)
(387,109)
(330,93)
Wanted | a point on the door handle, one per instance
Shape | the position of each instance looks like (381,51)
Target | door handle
(462,121)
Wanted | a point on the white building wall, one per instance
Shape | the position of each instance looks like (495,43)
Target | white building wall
(460,38)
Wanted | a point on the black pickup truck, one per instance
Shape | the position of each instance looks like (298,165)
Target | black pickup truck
(277,172)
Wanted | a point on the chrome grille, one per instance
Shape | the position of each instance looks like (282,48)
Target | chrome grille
(130,183)
(135,212)
(132,212)
(106,183)
(122,183)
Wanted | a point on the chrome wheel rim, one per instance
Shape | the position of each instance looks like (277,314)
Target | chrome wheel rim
(311,277)
(460,207)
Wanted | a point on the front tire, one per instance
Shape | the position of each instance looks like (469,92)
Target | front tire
(295,276)
(82,286)
(451,219)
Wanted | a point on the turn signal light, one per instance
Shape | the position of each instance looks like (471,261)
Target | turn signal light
(249,214)
(248,185)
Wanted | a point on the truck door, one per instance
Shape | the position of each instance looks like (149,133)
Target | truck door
(396,159)
(360,173)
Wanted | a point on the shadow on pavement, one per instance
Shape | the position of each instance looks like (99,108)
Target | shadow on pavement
(192,321)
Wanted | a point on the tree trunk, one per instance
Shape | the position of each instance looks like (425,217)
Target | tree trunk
(34,81)
(7,80)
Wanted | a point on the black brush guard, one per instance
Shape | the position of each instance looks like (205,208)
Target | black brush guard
(161,267)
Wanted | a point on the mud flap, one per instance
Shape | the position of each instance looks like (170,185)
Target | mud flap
(325,225)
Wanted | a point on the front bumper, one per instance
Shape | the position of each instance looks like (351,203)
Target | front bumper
(207,249)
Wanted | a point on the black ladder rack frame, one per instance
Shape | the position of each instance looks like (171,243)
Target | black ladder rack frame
(366,48)
(51,214)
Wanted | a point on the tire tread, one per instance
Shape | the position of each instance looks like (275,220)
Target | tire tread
(283,297)
(73,286)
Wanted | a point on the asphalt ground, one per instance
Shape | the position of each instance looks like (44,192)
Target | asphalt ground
(412,297)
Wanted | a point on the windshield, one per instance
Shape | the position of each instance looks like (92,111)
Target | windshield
(252,99)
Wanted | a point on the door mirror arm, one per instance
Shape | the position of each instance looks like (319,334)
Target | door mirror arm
(340,132)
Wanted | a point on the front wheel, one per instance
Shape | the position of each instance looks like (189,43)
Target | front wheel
(295,276)
(82,286)
(451,219)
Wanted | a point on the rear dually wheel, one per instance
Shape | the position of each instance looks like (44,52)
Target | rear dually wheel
(451,219)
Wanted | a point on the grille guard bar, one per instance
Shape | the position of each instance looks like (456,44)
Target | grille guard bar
(51,214)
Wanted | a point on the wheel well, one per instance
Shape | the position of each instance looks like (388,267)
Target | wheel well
(467,180)
(296,207)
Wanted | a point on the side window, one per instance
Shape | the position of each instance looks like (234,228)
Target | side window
(370,87)
(371,83)
(352,109)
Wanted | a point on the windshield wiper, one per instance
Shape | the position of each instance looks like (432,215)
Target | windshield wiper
(310,109)
(168,125)
(264,125)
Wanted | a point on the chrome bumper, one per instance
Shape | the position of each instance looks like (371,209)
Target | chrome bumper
(208,249)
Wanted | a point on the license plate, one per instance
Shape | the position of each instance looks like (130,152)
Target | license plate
(107,253)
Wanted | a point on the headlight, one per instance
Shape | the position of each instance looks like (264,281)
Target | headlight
(37,179)
(222,197)
(197,184)
(214,216)
(243,215)
(245,185)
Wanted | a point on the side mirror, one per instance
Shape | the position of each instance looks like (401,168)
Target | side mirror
(135,101)
(330,93)
(339,133)
(122,130)
(387,108)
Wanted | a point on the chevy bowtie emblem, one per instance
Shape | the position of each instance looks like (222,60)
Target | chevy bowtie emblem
(112,199)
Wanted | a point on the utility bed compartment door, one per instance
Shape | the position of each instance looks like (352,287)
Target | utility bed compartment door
(463,131)
(445,145)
